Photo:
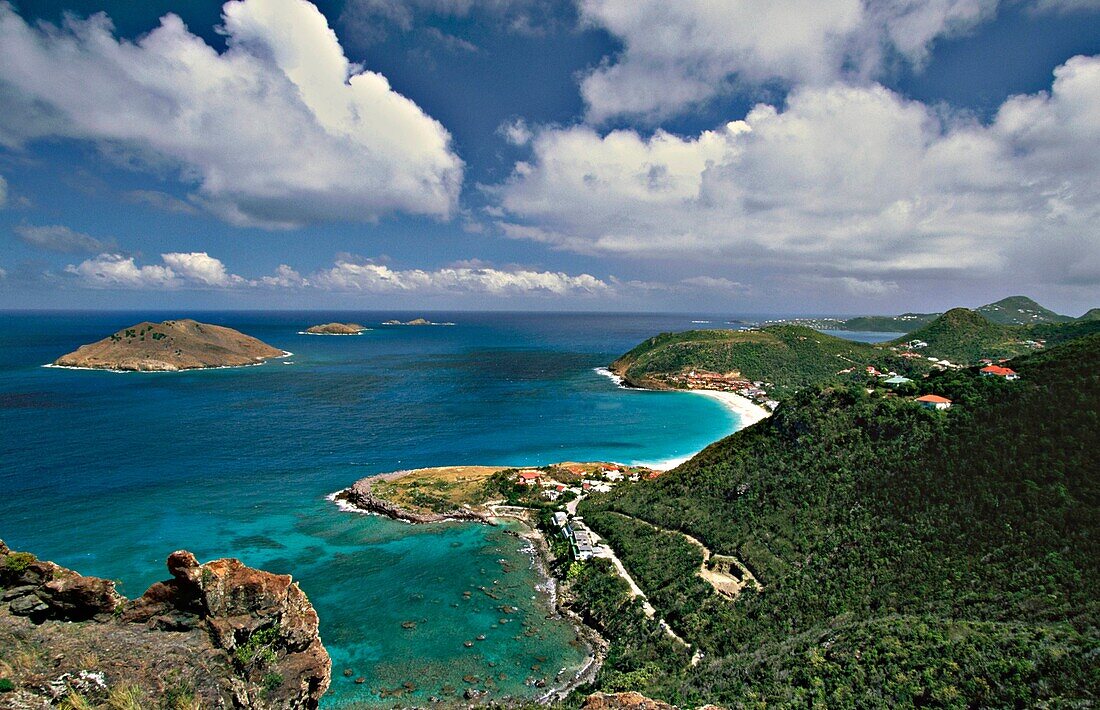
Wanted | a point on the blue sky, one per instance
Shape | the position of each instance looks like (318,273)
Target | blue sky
(786,157)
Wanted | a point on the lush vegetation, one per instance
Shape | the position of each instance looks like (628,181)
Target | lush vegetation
(907,557)
(642,655)
(962,336)
(787,356)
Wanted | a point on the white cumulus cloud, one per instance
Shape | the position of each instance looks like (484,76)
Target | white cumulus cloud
(118,271)
(849,180)
(379,278)
(200,268)
(278,130)
(284,277)
(676,54)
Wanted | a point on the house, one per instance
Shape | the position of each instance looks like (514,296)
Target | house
(934,401)
(529,478)
(560,519)
(582,541)
(998,371)
(614,475)
(550,494)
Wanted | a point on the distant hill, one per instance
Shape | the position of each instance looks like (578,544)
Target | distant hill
(1014,310)
(788,356)
(963,337)
(1020,310)
(1091,315)
(904,323)
(907,558)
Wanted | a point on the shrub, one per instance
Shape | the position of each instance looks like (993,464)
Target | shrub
(6,686)
(19,561)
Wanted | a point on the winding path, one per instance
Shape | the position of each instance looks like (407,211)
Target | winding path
(725,584)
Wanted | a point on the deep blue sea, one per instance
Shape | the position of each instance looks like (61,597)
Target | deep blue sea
(109,472)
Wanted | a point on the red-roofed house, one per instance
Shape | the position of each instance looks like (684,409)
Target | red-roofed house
(997,371)
(934,401)
(528,478)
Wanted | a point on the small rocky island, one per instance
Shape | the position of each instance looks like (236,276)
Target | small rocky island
(335,329)
(214,635)
(170,346)
(414,321)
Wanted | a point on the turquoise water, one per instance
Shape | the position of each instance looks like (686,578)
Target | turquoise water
(107,473)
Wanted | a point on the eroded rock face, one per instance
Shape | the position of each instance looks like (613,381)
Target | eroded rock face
(253,634)
(42,590)
(263,620)
(623,701)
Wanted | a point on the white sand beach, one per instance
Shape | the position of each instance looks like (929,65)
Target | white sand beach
(748,411)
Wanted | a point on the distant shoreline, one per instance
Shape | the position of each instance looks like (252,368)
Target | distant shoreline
(748,413)
(286,354)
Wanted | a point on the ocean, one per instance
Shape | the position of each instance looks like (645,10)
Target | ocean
(107,473)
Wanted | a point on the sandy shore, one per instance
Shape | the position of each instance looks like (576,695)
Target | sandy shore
(747,411)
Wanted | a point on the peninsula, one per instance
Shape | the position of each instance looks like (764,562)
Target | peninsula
(335,329)
(475,493)
(170,346)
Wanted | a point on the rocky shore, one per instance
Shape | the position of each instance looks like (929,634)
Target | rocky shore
(359,496)
(215,635)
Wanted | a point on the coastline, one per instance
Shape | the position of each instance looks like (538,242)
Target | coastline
(597,644)
(747,411)
(357,499)
(286,354)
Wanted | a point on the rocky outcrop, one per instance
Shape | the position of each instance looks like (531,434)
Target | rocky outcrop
(359,496)
(336,329)
(623,701)
(170,346)
(246,638)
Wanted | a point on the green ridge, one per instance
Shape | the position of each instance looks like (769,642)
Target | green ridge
(788,356)
(907,557)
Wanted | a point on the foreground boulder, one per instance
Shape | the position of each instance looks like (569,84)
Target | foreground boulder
(220,633)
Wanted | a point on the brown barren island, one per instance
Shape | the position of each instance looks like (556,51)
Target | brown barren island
(171,346)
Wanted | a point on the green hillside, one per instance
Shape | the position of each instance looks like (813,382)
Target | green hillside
(907,557)
(788,356)
(1093,314)
(905,323)
(1019,310)
(963,336)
